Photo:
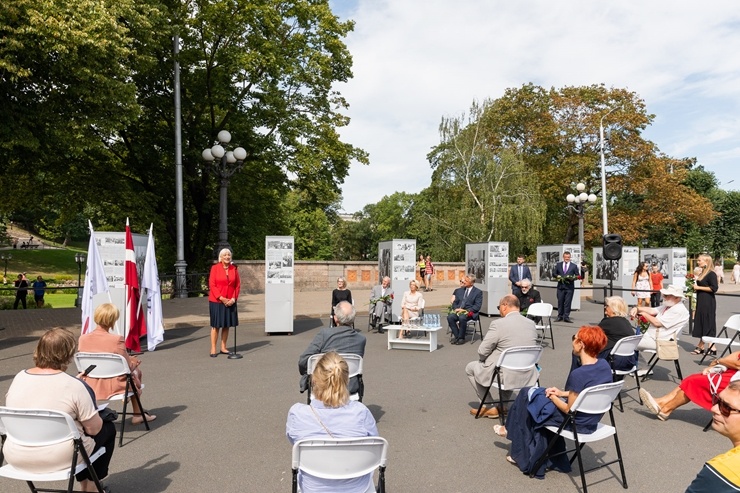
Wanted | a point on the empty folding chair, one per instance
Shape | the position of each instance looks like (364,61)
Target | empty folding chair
(354,362)
(544,312)
(732,325)
(110,365)
(341,458)
(40,428)
(593,400)
(517,359)
(625,347)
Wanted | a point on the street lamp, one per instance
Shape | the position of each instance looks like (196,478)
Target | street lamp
(6,258)
(80,258)
(603,170)
(578,203)
(224,164)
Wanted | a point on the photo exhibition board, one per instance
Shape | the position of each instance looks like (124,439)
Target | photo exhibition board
(279,280)
(547,257)
(672,263)
(397,259)
(489,264)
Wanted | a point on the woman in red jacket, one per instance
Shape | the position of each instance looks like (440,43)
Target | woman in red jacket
(224,285)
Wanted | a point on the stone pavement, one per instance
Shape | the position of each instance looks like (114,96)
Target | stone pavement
(221,422)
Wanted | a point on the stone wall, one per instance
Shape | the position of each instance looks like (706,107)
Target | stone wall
(320,275)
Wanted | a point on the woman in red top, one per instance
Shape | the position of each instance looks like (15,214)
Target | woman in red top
(224,285)
(656,281)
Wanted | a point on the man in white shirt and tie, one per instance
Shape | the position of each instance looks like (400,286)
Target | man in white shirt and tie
(517,274)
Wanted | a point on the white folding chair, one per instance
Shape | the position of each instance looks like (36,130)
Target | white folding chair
(354,362)
(625,347)
(43,427)
(110,365)
(654,361)
(519,358)
(341,458)
(544,311)
(732,324)
(593,400)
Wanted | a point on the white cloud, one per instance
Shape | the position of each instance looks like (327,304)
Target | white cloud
(418,60)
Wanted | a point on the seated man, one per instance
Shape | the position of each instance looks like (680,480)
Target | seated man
(527,295)
(466,299)
(341,338)
(721,474)
(381,301)
(697,388)
(511,330)
(668,319)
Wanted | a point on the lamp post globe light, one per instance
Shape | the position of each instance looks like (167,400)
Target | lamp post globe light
(5,257)
(578,204)
(224,164)
(80,258)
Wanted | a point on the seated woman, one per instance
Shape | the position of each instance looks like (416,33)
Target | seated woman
(535,407)
(697,388)
(47,386)
(411,304)
(102,341)
(330,414)
(616,326)
(338,295)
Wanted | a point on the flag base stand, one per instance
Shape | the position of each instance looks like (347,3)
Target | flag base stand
(234,354)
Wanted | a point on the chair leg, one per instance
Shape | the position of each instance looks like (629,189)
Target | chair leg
(123,415)
(637,380)
(654,361)
(678,370)
(580,460)
(709,425)
(381,479)
(500,400)
(482,402)
(619,452)
(545,454)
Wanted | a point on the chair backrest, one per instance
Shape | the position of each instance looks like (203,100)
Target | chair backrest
(626,346)
(520,357)
(539,310)
(107,365)
(340,458)
(597,399)
(354,362)
(733,323)
(37,427)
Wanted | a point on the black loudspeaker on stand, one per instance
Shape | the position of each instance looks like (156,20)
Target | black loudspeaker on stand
(612,247)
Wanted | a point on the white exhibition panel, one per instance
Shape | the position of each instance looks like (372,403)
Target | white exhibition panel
(671,261)
(489,264)
(279,280)
(397,260)
(547,257)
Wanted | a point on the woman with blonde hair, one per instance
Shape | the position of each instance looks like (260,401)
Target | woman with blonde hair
(705,317)
(101,340)
(411,304)
(330,414)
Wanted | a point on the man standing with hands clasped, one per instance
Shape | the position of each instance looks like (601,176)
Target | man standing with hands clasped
(565,273)
(517,274)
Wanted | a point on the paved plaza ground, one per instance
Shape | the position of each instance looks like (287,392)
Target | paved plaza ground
(221,422)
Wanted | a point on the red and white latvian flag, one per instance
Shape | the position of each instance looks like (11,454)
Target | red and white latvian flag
(95,282)
(137,321)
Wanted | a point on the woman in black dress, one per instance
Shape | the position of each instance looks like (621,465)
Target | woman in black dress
(705,317)
(339,294)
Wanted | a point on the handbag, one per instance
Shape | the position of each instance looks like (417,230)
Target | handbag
(666,349)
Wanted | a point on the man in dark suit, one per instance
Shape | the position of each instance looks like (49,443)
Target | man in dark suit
(517,274)
(342,338)
(565,273)
(528,295)
(465,299)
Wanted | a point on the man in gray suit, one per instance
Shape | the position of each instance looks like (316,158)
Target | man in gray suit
(342,338)
(379,309)
(511,330)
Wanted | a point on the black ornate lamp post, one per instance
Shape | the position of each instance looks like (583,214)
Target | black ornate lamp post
(80,258)
(224,164)
(6,257)
(578,204)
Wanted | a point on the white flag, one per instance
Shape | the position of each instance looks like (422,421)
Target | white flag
(150,282)
(95,282)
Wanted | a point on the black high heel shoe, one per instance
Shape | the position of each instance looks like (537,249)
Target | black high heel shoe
(697,350)
(711,352)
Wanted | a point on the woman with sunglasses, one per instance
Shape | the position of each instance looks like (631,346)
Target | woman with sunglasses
(720,474)
(697,388)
